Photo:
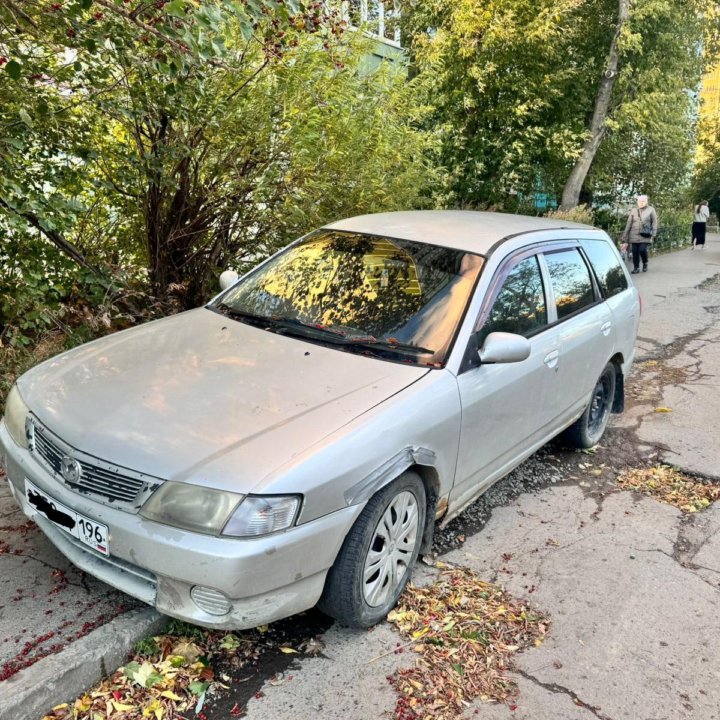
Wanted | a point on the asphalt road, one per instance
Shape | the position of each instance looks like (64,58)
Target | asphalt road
(631,585)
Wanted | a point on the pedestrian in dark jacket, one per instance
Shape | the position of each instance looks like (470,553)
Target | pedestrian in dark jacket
(702,213)
(640,231)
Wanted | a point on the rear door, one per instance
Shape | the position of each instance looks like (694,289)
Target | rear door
(620,295)
(585,326)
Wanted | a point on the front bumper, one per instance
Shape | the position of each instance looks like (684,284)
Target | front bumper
(265,579)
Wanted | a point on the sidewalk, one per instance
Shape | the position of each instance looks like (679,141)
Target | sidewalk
(681,324)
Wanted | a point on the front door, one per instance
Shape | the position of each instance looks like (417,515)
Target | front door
(506,407)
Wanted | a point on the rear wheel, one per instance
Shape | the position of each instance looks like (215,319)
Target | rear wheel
(377,557)
(587,430)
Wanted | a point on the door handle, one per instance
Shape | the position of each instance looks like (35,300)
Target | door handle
(551,359)
(605,329)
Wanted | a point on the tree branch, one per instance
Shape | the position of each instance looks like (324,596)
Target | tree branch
(182,47)
(55,237)
(13,8)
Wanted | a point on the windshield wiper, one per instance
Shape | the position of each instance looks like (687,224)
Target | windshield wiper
(305,329)
(295,324)
(225,309)
(272,322)
(371,342)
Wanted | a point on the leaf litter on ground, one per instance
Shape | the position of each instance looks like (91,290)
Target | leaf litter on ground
(670,486)
(466,632)
(171,676)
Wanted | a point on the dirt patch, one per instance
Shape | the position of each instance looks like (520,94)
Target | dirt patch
(712,284)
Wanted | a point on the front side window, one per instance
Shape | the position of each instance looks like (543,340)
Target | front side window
(395,299)
(571,282)
(520,304)
(608,269)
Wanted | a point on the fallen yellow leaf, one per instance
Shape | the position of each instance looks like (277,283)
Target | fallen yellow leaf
(170,695)
(287,650)
(663,409)
(120,707)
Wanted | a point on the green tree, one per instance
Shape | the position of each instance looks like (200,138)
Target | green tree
(190,135)
(507,78)
(581,95)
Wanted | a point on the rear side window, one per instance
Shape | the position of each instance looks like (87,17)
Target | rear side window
(571,282)
(520,304)
(607,267)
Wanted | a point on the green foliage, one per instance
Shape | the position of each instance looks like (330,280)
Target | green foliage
(514,83)
(181,629)
(147,646)
(189,136)
(501,73)
(674,228)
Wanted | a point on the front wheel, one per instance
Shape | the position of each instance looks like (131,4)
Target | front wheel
(587,430)
(377,556)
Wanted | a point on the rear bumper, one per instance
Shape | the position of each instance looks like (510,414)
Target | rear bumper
(265,579)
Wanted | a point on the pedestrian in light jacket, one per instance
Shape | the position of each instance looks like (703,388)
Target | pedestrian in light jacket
(640,231)
(699,226)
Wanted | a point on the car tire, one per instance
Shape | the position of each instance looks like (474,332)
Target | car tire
(587,430)
(378,554)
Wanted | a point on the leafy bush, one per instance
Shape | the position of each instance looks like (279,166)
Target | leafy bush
(580,214)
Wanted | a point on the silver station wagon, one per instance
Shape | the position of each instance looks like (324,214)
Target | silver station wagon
(294,442)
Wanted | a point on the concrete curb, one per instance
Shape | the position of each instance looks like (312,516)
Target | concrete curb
(62,677)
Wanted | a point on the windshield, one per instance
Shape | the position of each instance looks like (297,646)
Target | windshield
(395,299)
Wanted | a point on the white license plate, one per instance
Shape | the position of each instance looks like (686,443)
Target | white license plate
(87,531)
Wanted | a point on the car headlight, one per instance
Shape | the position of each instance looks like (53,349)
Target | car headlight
(191,507)
(218,512)
(16,412)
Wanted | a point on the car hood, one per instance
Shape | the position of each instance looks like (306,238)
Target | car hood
(203,398)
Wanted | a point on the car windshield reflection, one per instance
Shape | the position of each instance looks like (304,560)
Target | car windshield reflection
(395,299)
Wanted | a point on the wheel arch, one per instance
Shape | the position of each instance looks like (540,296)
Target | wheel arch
(421,461)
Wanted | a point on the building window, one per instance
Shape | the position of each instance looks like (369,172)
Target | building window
(379,18)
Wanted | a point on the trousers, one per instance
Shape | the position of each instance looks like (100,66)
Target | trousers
(639,252)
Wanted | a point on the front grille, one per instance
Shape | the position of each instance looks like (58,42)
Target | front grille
(97,477)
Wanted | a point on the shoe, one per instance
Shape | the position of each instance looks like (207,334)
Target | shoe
(645,267)
(634,271)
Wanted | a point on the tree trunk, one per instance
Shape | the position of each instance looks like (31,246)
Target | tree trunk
(574,184)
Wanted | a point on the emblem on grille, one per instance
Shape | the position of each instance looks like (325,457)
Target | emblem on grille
(70,469)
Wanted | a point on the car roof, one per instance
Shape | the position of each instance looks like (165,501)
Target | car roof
(469,230)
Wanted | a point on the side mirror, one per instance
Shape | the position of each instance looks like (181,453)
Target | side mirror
(227,279)
(502,347)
